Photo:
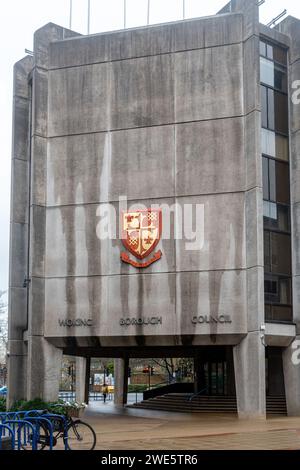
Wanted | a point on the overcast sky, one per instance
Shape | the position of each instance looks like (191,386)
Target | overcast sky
(19,20)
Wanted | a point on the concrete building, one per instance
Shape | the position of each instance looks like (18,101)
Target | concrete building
(196,113)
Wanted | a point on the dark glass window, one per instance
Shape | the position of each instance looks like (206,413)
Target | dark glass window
(276,181)
(277,253)
(273,52)
(276,217)
(276,184)
(274,107)
(264,106)
(273,74)
(274,145)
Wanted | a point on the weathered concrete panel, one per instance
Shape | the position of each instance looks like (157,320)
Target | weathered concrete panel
(252,93)
(146,41)
(142,163)
(43,37)
(37,241)
(72,245)
(209,83)
(253,150)
(255,298)
(84,162)
(295,164)
(38,170)
(22,68)
(21,128)
(291,380)
(37,307)
(40,102)
(72,299)
(141,296)
(43,374)
(254,227)
(81,51)
(210,157)
(78,100)
(18,254)
(142,92)
(250,376)
(294,111)
(290,27)
(17,312)
(208,32)
(20,190)
(207,294)
(221,235)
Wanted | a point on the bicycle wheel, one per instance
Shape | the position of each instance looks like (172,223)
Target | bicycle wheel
(81,436)
(43,439)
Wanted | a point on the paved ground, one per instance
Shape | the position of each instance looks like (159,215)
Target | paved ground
(128,429)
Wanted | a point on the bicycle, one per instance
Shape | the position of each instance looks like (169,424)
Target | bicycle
(75,433)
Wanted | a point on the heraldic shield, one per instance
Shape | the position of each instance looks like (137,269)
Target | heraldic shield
(141,232)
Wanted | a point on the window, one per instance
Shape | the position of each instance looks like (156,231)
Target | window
(276,217)
(276,181)
(274,145)
(277,253)
(278,290)
(273,74)
(274,106)
(273,52)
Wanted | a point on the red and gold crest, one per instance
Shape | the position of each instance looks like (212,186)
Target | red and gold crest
(141,232)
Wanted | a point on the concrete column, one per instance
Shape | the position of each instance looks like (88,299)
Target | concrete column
(121,381)
(250,380)
(80,379)
(291,371)
(43,369)
(230,389)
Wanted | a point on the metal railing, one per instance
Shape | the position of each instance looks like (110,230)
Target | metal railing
(190,399)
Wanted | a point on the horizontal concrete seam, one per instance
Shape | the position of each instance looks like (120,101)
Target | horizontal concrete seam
(112,61)
(139,274)
(20,97)
(170,124)
(20,158)
(295,132)
(294,62)
(156,198)
(38,67)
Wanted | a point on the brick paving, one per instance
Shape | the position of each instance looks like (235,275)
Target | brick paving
(123,429)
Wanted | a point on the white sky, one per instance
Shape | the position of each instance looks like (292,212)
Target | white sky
(19,20)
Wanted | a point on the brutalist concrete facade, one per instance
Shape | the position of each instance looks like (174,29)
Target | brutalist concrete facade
(167,114)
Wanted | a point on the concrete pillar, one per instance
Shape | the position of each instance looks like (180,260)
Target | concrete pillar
(291,371)
(43,369)
(230,378)
(17,372)
(250,376)
(80,379)
(121,381)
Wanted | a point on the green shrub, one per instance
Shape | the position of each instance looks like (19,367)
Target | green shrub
(38,404)
(2,404)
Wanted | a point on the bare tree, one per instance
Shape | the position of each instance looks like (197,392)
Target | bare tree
(3,327)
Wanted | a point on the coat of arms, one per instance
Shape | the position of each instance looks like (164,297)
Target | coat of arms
(141,232)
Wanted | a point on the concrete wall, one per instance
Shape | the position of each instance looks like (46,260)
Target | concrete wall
(159,115)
